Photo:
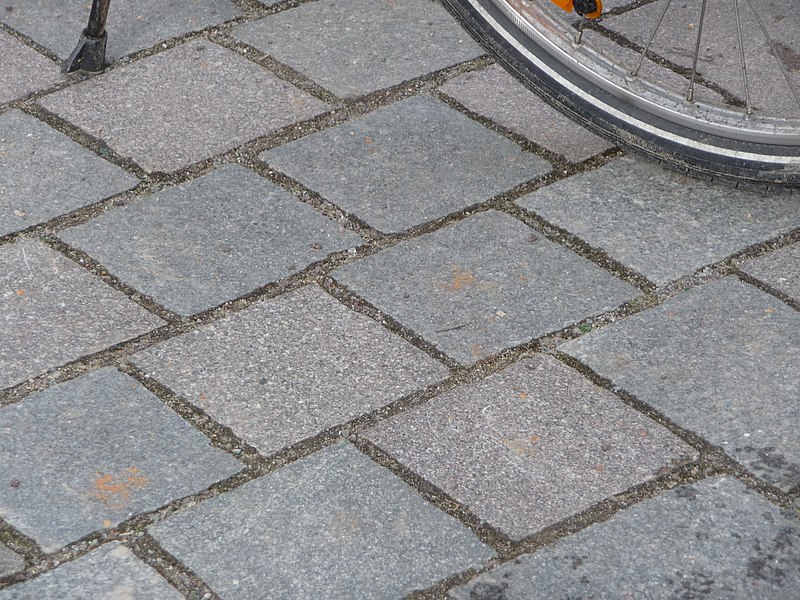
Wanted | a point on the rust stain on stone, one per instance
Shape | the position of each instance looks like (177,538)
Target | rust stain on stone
(115,491)
(461,279)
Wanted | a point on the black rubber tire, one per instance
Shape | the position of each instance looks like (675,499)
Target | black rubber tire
(765,173)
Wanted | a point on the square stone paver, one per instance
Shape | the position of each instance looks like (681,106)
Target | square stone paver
(53,312)
(131,26)
(486,283)
(333,525)
(111,571)
(45,174)
(358,46)
(494,94)
(10,561)
(408,163)
(286,369)
(183,105)
(713,539)
(781,270)
(661,224)
(24,69)
(92,452)
(529,446)
(211,240)
(721,360)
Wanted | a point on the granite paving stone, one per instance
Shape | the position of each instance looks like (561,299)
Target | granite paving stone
(355,47)
(363,166)
(486,283)
(661,224)
(111,571)
(10,561)
(531,445)
(496,95)
(45,174)
(714,539)
(332,525)
(216,238)
(131,26)
(287,368)
(24,69)
(57,445)
(781,270)
(720,360)
(55,312)
(170,125)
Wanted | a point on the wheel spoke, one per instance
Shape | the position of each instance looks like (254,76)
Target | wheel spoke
(788,79)
(748,105)
(638,66)
(690,92)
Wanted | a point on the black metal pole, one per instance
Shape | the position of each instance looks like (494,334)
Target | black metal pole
(90,53)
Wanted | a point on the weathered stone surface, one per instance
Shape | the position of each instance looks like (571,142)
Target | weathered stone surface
(286,369)
(170,125)
(111,571)
(529,446)
(94,451)
(10,561)
(408,163)
(494,94)
(714,539)
(355,47)
(54,312)
(720,360)
(24,69)
(781,270)
(333,525)
(216,238)
(131,26)
(659,223)
(44,174)
(486,283)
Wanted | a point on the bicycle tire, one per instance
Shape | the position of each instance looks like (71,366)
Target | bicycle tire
(769,162)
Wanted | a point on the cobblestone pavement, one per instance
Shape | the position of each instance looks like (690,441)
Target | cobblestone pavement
(312,300)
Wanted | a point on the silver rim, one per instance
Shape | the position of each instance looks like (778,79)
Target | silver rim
(701,96)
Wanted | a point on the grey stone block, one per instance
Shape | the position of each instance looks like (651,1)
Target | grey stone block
(358,46)
(486,283)
(45,174)
(529,446)
(720,360)
(714,539)
(781,270)
(333,525)
(54,312)
(131,26)
(659,223)
(408,163)
(494,94)
(94,451)
(287,368)
(10,561)
(153,110)
(24,69)
(211,240)
(111,571)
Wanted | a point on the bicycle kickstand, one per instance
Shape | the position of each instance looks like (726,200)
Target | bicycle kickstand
(90,53)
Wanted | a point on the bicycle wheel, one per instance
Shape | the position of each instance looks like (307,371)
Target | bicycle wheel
(706,87)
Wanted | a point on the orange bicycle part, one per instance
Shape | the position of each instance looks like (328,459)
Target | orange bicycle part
(591,9)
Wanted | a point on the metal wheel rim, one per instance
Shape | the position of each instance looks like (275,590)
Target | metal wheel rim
(555,36)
